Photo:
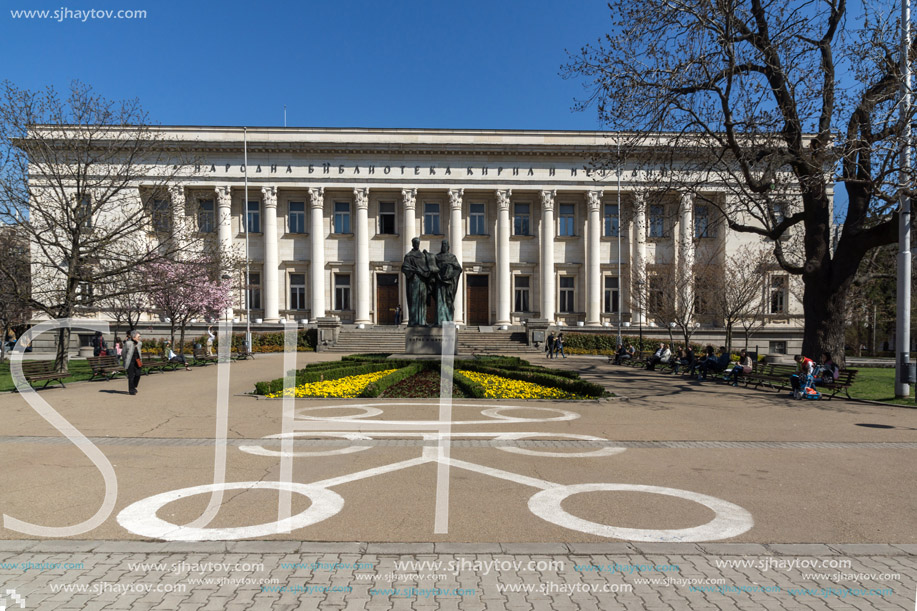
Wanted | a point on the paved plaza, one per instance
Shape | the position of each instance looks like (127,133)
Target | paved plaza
(673,495)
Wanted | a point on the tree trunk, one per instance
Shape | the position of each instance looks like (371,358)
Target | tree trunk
(824,304)
(729,337)
(6,330)
(63,344)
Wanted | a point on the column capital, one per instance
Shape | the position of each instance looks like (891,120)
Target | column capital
(361,198)
(269,195)
(410,198)
(687,200)
(177,193)
(503,196)
(547,199)
(455,198)
(639,202)
(317,197)
(594,199)
(224,196)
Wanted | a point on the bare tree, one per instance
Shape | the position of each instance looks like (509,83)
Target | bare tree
(739,295)
(126,300)
(773,102)
(84,177)
(14,282)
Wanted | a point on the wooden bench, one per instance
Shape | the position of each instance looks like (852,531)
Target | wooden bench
(157,362)
(104,367)
(774,375)
(240,354)
(201,357)
(37,371)
(843,382)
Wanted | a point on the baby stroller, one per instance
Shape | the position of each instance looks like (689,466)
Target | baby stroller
(804,387)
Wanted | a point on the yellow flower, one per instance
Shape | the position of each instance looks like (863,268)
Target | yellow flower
(496,387)
(342,388)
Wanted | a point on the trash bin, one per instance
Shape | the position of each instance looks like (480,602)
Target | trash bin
(912,373)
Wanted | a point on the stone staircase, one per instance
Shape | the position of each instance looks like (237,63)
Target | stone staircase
(470,341)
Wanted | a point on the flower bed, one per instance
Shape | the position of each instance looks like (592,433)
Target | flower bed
(497,387)
(372,375)
(348,387)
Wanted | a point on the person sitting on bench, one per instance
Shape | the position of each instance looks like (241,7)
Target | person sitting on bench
(716,365)
(743,367)
(175,358)
(662,355)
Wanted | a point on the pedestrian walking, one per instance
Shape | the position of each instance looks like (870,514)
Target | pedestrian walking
(398,315)
(559,345)
(133,364)
(549,345)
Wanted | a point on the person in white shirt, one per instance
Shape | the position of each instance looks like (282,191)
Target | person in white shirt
(175,358)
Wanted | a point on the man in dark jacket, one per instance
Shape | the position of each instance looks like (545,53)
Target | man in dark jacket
(132,361)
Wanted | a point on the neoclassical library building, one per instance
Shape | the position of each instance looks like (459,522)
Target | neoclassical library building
(330,213)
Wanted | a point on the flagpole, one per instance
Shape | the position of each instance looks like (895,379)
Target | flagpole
(903,331)
(247,290)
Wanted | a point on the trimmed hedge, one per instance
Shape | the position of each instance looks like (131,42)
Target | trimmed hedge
(469,387)
(380,386)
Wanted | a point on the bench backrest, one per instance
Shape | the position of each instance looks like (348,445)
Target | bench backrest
(37,367)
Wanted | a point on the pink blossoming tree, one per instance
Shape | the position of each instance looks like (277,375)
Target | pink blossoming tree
(185,290)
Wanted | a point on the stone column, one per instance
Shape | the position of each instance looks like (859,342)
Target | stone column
(224,231)
(409,200)
(638,271)
(504,288)
(686,250)
(593,256)
(456,232)
(271,256)
(317,233)
(361,256)
(547,255)
(177,197)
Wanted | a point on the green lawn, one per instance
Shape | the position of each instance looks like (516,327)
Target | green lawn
(877,384)
(79,370)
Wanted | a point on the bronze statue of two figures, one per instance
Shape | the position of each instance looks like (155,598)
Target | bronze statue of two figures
(427,275)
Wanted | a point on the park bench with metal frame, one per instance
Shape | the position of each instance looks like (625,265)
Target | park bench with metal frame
(105,366)
(201,357)
(37,371)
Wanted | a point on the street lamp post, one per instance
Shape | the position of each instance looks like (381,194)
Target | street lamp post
(248,312)
(903,331)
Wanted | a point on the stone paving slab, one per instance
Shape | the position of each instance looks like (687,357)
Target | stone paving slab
(252,575)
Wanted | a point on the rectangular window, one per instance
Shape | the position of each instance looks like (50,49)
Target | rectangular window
(522,294)
(205,222)
(431,219)
(254,217)
(84,293)
(297,291)
(657,222)
(522,219)
(387,218)
(296,218)
(342,292)
(476,220)
(779,287)
(612,295)
(566,218)
(776,347)
(567,289)
(161,215)
(656,296)
(702,222)
(612,220)
(341,217)
(84,211)
(254,290)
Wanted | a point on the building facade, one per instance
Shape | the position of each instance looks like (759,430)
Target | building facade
(328,214)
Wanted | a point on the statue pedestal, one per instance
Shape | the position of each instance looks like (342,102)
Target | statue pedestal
(425,341)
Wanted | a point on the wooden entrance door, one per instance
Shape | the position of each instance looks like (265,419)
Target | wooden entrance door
(386,298)
(478,300)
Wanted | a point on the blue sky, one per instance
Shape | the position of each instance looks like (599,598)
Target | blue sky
(455,64)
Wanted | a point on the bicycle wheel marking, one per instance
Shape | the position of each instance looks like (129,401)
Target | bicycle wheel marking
(730,521)
(140,518)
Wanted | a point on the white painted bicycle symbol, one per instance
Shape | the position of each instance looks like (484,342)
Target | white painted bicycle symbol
(141,517)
